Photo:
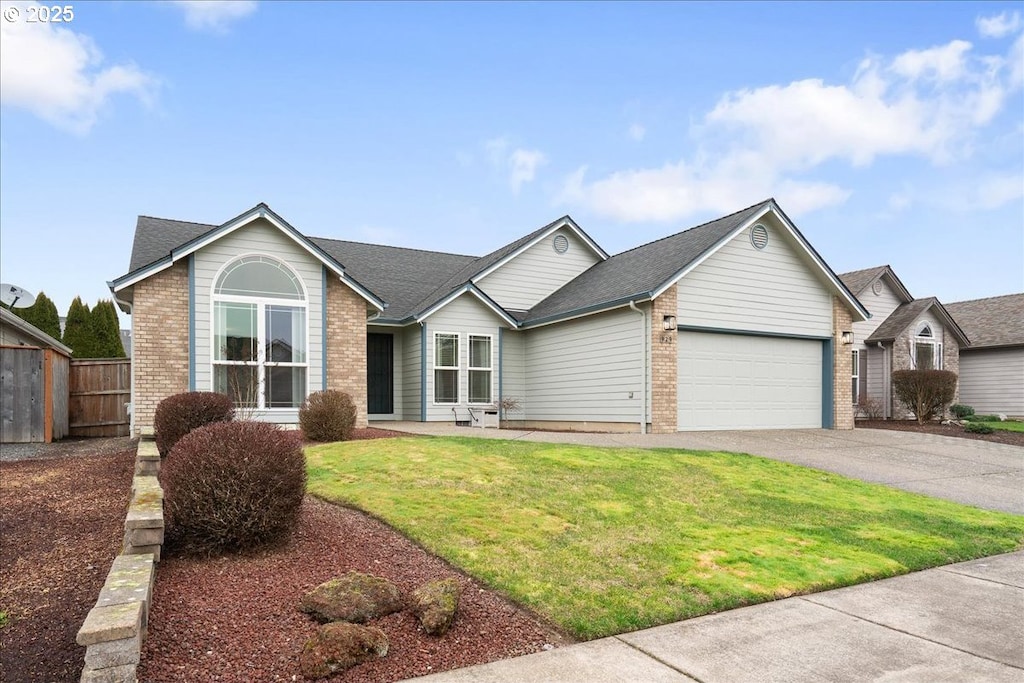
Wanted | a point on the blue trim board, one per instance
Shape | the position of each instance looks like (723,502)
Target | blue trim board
(191,322)
(323,328)
(827,392)
(423,372)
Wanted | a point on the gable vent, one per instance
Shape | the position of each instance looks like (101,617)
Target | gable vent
(759,236)
(877,287)
(560,243)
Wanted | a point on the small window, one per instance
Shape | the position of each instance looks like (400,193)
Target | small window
(446,368)
(479,369)
(926,331)
(856,377)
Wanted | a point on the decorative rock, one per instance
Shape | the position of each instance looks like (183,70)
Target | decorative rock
(338,646)
(435,604)
(353,597)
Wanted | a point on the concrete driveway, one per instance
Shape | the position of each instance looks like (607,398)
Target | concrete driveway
(980,473)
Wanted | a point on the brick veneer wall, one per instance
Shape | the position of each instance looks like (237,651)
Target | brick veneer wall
(346,344)
(842,369)
(160,341)
(664,365)
(901,360)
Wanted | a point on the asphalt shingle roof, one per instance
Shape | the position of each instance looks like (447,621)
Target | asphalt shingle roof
(899,319)
(155,238)
(638,272)
(397,275)
(995,321)
(857,280)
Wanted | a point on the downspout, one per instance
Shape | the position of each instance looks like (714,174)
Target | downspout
(130,407)
(643,366)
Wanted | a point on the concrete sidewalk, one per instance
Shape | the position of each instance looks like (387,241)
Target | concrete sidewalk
(972,472)
(962,622)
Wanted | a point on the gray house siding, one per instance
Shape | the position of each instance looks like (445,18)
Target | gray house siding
(411,376)
(880,306)
(262,238)
(513,371)
(768,290)
(587,370)
(992,380)
(463,316)
(540,270)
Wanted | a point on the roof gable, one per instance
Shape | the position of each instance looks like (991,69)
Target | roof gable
(992,322)
(646,271)
(154,258)
(908,313)
(858,281)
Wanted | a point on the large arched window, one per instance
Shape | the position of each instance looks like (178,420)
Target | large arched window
(259,334)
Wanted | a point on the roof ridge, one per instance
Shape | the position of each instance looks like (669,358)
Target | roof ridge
(705,223)
(177,220)
(864,270)
(391,246)
(985,298)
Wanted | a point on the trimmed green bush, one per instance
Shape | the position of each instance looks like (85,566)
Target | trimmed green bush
(961,411)
(106,330)
(328,416)
(978,428)
(233,486)
(982,418)
(926,392)
(179,414)
(78,332)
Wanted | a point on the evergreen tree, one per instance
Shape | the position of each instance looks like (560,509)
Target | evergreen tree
(78,331)
(42,314)
(106,330)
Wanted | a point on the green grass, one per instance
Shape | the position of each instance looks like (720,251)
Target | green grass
(607,540)
(4,619)
(1007,426)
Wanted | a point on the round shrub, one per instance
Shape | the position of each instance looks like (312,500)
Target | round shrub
(978,428)
(328,416)
(233,486)
(179,414)
(961,411)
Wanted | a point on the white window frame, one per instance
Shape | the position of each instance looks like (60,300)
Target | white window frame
(927,339)
(489,369)
(457,368)
(261,303)
(855,376)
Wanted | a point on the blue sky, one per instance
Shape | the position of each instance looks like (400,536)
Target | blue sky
(890,133)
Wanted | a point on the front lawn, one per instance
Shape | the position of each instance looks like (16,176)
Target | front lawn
(608,540)
(1006,426)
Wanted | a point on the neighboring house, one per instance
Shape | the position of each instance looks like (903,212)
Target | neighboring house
(903,333)
(733,324)
(33,383)
(992,367)
(126,342)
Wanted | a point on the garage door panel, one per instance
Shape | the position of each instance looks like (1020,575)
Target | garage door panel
(747,382)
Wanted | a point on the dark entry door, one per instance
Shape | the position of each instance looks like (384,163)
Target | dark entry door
(380,374)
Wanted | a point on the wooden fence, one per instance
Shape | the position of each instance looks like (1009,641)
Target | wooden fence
(100,388)
(33,395)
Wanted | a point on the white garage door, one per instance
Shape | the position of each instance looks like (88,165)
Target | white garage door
(729,381)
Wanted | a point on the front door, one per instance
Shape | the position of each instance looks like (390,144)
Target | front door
(380,374)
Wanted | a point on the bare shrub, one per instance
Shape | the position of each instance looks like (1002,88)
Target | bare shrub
(233,486)
(926,392)
(328,416)
(179,414)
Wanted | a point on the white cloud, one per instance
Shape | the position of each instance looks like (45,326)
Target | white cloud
(999,25)
(637,132)
(996,191)
(59,75)
(214,15)
(520,164)
(761,142)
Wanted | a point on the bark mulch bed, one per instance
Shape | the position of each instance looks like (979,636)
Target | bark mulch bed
(61,521)
(225,619)
(998,436)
